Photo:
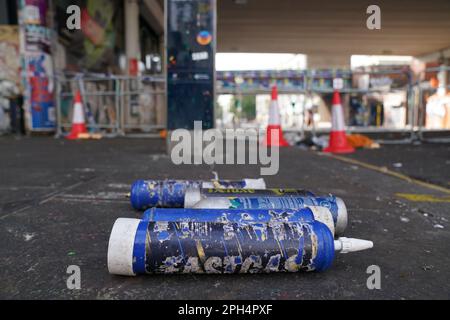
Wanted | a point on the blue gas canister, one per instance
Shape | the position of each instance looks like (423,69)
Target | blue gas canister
(171,193)
(194,195)
(334,204)
(186,247)
(241,216)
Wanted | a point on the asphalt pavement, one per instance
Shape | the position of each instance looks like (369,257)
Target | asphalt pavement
(59,200)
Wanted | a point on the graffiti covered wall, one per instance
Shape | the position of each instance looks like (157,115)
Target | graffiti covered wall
(9,53)
(93,46)
(37,65)
(9,72)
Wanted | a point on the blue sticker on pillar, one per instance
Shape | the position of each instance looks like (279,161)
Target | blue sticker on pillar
(204,38)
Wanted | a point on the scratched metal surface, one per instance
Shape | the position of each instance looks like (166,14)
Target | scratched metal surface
(217,247)
(59,200)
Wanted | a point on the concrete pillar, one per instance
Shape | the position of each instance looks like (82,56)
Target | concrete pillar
(162,52)
(37,66)
(161,108)
(132,45)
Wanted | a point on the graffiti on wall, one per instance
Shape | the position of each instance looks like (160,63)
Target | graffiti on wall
(9,53)
(97,26)
(9,71)
(91,46)
(37,64)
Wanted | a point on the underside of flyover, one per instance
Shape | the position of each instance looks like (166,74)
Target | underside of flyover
(329,32)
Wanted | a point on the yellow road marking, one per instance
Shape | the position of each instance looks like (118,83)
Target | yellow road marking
(390,172)
(423,197)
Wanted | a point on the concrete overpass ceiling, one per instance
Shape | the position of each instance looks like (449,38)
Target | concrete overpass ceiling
(323,28)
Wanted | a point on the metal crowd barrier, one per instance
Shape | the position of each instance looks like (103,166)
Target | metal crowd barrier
(314,84)
(114,105)
(422,89)
(135,106)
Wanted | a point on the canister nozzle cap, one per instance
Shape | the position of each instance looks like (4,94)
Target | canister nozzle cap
(345,245)
(121,245)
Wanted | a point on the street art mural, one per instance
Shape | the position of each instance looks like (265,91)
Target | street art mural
(37,65)
(9,53)
(92,46)
(9,72)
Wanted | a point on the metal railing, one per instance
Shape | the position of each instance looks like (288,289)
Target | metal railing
(421,117)
(113,105)
(135,106)
(312,83)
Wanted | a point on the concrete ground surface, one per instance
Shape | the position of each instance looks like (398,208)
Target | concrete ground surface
(59,200)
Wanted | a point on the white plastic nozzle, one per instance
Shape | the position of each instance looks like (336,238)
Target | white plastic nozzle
(345,245)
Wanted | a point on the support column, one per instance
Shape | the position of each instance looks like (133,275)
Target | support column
(161,108)
(132,45)
(37,65)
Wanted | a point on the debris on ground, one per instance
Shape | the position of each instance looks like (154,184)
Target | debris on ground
(95,136)
(321,142)
(313,143)
(361,141)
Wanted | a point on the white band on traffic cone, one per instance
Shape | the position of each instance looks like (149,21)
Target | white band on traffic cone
(78,113)
(274,114)
(338,123)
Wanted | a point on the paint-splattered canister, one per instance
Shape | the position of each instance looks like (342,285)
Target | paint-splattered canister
(334,204)
(194,194)
(167,247)
(171,193)
(241,216)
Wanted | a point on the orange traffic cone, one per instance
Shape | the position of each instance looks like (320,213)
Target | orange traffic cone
(78,123)
(274,134)
(338,140)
